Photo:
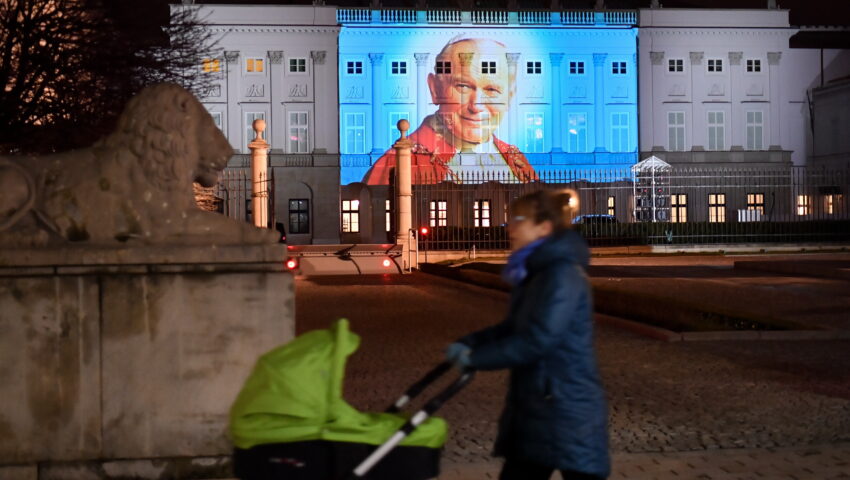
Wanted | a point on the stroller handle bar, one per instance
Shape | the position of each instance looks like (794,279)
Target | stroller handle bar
(430,407)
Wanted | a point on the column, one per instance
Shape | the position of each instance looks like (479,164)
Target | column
(259,176)
(599,100)
(421,88)
(775,106)
(736,88)
(465,68)
(557,105)
(404,194)
(234,116)
(320,142)
(655,126)
(514,127)
(277,117)
(696,61)
(377,60)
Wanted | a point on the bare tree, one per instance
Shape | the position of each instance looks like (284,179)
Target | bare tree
(71,65)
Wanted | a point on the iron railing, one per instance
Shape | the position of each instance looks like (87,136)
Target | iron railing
(234,194)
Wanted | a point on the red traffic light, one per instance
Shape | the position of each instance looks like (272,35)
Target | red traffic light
(291,263)
(423,231)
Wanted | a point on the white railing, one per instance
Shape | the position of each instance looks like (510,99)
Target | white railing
(539,18)
(577,17)
(620,18)
(353,15)
(489,16)
(398,16)
(443,16)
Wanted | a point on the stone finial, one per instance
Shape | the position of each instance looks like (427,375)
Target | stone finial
(259,127)
(403,126)
(696,57)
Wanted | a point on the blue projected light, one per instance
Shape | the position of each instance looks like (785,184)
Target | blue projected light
(513,102)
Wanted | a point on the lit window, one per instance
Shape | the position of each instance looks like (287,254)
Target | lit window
(832,203)
(755,201)
(299,140)
(755,131)
(676,131)
(350,216)
(482,213)
(437,213)
(715,65)
(398,68)
(612,205)
(753,65)
(678,208)
(388,215)
(297,65)
(716,207)
(249,126)
(576,68)
(211,65)
(576,132)
(620,132)
(675,65)
(254,65)
(354,128)
(716,130)
(443,68)
(534,132)
(803,204)
(299,215)
(533,68)
(488,67)
(354,68)
(618,68)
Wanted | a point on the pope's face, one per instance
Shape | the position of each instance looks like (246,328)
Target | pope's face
(472,100)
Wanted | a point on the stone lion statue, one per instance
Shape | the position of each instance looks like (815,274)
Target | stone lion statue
(134,185)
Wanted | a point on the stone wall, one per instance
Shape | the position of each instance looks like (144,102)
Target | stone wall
(114,362)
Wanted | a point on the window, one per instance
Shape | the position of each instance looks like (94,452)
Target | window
(443,68)
(620,132)
(488,67)
(832,202)
(618,68)
(394,119)
(299,140)
(216,116)
(254,65)
(398,68)
(676,131)
(753,65)
(249,126)
(533,68)
(576,132)
(437,213)
(678,208)
(755,131)
(351,216)
(675,65)
(354,68)
(482,213)
(715,65)
(716,130)
(355,133)
(576,68)
(803,205)
(388,215)
(297,65)
(534,132)
(716,207)
(612,205)
(299,215)
(755,201)
(211,65)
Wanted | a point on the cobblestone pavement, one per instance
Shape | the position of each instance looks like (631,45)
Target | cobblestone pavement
(669,402)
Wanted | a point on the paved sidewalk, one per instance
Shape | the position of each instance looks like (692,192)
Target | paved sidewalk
(828,462)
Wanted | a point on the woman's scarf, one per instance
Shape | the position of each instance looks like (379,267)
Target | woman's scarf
(515,272)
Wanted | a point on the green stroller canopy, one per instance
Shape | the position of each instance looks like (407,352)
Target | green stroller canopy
(294,394)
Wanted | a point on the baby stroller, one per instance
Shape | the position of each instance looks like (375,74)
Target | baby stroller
(290,422)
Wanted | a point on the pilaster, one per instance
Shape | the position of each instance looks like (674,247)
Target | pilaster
(599,100)
(377,61)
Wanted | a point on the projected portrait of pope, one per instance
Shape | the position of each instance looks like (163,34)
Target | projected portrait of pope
(472,87)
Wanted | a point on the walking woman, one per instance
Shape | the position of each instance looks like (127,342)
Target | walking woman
(555,415)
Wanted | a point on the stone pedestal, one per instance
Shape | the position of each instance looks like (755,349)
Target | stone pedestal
(114,362)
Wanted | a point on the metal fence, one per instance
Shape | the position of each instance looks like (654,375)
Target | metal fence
(234,194)
(649,206)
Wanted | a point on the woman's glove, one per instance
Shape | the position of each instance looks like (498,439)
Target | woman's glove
(458,354)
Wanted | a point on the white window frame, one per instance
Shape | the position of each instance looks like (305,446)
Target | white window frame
(804,205)
(301,131)
(254,63)
(618,67)
(437,213)
(349,128)
(714,65)
(716,130)
(218,119)
(350,216)
(299,211)
(488,66)
(576,67)
(306,65)
(678,65)
(481,212)
(535,122)
(753,66)
(754,129)
(536,67)
(755,201)
(354,64)
(576,142)
(717,208)
(620,132)
(679,208)
(443,67)
(398,68)
(249,129)
(678,127)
